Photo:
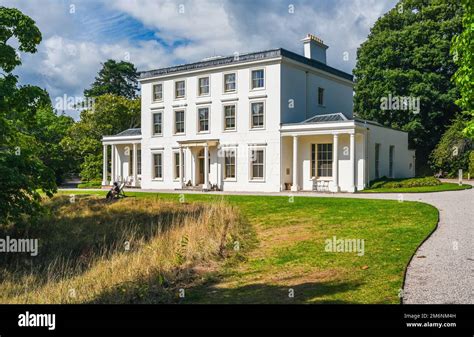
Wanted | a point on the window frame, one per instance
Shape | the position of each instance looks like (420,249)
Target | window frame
(139,162)
(224,118)
(314,163)
(377,160)
(251,79)
(321,96)
(252,127)
(175,132)
(175,91)
(176,176)
(153,113)
(153,92)
(391,155)
(226,92)
(226,151)
(208,86)
(198,126)
(153,165)
(251,176)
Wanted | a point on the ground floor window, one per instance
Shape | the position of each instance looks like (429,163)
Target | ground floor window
(229,164)
(157,165)
(177,164)
(377,161)
(139,161)
(390,161)
(321,160)
(257,164)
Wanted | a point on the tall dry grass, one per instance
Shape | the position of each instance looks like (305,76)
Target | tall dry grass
(130,251)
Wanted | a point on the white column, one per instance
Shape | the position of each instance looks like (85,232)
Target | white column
(135,165)
(112,164)
(352,163)
(335,162)
(294,186)
(104,167)
(181,167)
(206,167)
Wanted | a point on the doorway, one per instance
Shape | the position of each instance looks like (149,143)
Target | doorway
(200,179)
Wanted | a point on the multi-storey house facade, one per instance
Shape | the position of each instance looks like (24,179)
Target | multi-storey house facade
(266,121)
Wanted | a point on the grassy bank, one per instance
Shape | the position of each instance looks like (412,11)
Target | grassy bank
(131,251)
(290,254)
(420,189)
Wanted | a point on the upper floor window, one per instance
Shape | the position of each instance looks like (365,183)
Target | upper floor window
(203,119)
(258,79)
(229,82)
(179,121)
(203,86)
(158,92)
(179,89)
(158,123)
(320,96)
(257,115)
(229,117)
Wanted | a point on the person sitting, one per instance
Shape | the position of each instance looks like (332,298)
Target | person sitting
(114,191)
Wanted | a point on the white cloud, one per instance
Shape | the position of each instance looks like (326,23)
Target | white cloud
(74,45)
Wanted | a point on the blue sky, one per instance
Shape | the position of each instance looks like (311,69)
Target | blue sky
(80,34)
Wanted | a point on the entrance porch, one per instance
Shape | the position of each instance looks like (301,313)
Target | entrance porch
(123,165)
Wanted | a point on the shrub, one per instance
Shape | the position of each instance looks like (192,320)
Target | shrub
(385,182)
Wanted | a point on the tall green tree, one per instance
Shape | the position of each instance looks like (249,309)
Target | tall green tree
(22,172)
(407,54)
(463,54)
(110,115)
(116,78)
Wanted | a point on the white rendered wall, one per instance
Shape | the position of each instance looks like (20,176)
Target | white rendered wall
(403,157)
(241,139)
(299,94)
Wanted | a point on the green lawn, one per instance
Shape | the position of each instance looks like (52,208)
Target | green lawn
(287,254)
(421,189)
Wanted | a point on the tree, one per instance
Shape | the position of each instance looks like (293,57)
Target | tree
(453,150)
(110,115)
(407,55)
(462,50)
(22,172)
(116,78)
(49,129)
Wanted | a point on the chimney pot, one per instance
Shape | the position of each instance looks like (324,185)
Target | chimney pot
(314,48)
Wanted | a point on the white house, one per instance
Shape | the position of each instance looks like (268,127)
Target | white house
(266,121)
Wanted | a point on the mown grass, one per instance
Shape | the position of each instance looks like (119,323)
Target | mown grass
(130,251)
(289,254)
(420,189)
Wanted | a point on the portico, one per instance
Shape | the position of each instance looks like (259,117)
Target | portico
(325,156)
(200,167)
(124,158)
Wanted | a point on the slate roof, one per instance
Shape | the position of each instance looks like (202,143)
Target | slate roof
(267,54)
(335,117)
(129,132)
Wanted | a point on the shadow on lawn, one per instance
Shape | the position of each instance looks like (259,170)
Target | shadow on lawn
(73,235)
(198,290)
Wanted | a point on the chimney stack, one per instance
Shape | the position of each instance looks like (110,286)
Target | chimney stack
(314,48)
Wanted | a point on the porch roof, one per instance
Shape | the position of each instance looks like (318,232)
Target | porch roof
(133,135)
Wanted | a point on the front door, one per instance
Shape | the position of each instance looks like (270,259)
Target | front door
(201,167)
